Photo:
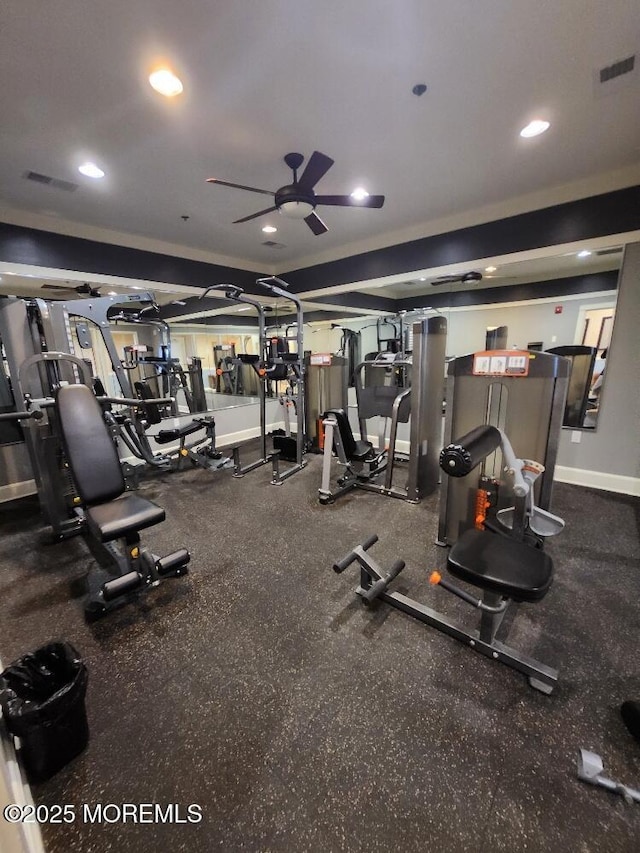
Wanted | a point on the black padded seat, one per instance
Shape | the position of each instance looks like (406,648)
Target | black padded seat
(361,450)
(355,451)
(492,562)
(125,515)
(164,436)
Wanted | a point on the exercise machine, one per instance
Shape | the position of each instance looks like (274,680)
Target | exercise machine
(200,450)
(163,376)
(350,349)
(326,388)
(274,364)
(229,372)
(522,394)
(504,567)
(393,389)
(37,340)
(110,520)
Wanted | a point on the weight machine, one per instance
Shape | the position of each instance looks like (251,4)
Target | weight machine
(504,566)
(522,394)
(273,364)
(84,483)
(391,388)
(38,342)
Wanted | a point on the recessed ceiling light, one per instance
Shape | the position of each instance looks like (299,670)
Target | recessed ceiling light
(269,229)
(112,293)
(166,82)
(584,253)
(359,194)
(422,279)
(535,128)
(90,170)
(490,269)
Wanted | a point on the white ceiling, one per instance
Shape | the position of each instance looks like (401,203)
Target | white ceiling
(265,78)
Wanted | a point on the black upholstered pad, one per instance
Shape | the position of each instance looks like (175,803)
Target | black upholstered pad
(126,515)
(361,450)
(164,436)
(353,450)
(89,446)
(506,566)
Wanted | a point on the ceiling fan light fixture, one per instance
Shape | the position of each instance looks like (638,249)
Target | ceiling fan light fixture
(296,209)
(90,170)
(269,229)
(359,194)
(166,83)
(535,128)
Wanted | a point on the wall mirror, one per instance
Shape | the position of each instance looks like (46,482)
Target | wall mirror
(562,301)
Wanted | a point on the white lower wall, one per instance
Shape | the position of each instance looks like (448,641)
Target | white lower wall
(241,423)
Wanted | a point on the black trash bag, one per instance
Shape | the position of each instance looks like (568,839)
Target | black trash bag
(42,697)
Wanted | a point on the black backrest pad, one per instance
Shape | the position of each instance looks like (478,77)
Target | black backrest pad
(346,433)
(89,447)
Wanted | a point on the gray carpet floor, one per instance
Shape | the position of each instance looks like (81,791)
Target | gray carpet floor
(259,688)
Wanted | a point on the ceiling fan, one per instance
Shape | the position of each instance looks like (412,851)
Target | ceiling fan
(82,289)
(298,200)
(465,278)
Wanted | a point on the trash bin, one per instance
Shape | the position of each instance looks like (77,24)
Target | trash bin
(42,697)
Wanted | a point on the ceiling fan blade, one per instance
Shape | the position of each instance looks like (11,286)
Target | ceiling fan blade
(316,224)
(238,186)
(58,287)
(454,278)
(254,215)
(347,201)
(318,166)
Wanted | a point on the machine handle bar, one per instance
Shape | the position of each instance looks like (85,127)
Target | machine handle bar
(36,414)
(379,586)
(345,562)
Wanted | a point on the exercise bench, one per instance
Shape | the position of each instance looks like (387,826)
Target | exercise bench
(109,515)
(503,566)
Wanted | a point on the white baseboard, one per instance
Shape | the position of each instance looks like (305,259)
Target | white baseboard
(576,476)
(598,480)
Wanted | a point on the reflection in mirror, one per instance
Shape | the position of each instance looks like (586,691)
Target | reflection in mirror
(558,301)
(561,300)
(144,357)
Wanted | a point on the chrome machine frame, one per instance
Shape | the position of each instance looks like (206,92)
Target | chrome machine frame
(423,400)
(237,294)
(39,351)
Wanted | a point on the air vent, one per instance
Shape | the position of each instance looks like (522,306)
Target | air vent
(56,183)
(617,69)
(273,245)
(603,252)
